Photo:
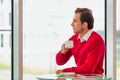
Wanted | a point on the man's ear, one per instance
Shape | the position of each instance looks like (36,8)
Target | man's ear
(85,25)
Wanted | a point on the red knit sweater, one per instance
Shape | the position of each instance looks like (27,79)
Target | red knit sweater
(88,55)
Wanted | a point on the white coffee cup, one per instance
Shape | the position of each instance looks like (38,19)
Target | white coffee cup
(69,44)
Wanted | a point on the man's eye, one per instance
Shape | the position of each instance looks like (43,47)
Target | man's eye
(74,20)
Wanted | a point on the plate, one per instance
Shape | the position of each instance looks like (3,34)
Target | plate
(67,74)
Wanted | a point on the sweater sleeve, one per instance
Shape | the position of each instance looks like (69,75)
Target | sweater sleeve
(96,51)
(61,59)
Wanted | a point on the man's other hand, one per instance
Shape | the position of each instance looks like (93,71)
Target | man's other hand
(59,71)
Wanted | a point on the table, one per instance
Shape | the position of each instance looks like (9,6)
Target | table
(76,77)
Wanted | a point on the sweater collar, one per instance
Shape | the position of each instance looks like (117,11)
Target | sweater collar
(86,36)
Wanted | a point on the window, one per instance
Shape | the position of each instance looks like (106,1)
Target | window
(46,25)
(5,40)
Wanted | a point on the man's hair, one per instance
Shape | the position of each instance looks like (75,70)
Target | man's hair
(86,16)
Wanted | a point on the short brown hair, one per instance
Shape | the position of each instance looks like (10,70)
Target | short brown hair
(86,16)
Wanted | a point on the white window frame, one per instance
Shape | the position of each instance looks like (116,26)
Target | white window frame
(111,38)
(17,41)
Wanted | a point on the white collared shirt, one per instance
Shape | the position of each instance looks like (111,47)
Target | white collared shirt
(86,36)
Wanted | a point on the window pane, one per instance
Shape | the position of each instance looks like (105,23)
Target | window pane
(5,56)
(5,9)
(5,40)
(118,40)
(47,27)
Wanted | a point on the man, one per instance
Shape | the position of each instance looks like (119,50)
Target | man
(89,47)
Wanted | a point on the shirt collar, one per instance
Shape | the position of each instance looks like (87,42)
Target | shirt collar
(86,36)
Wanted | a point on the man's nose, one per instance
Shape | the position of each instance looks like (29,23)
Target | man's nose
(72,24)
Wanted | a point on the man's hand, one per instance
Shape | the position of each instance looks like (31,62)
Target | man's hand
(59,71)
(63,49)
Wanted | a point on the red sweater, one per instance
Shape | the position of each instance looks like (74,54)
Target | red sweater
(88,55)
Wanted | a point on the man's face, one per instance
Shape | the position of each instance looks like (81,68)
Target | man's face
(76,24)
